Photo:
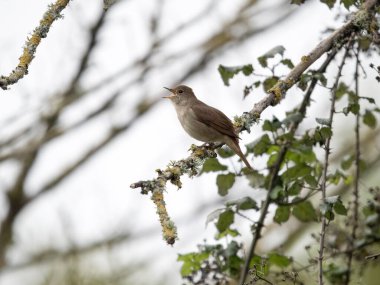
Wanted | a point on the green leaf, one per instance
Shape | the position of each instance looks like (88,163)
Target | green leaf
(294,189)
(297,2)
(369,119)
(212,165)
(340,209)
(287,62)
(369,99)
(213,215)
(271,126)
(245,203)
(322,121)
(282,214)
(227,232)
(336,203)
(341,90)
(295,172)
(225,152)
(305,212)
(301,153)
(351,108)
(270,82)
(192,262)
(234,264)
(270,54)
(325,132)
(310,179)
(276,192)
(335,178)
(225,220)
(292,118)
(279,260)
(329,3)
(228,73)
(326,210)
(260,146)
(304,80)
(225,182)
(255,178)
(232,249)
(348,3)
(321,78)
(346,163)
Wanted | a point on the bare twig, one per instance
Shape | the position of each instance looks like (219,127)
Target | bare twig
(355,214)
(324,221)
(372,256)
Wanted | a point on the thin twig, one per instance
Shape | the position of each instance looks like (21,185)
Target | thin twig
(355,221)
(326,163)
(372,256)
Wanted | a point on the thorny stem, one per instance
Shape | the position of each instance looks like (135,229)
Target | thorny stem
(326,164)
(276,169)
(357,175)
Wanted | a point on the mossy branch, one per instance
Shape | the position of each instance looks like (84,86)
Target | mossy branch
(53,13)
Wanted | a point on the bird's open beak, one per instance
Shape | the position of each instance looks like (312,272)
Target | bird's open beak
(171,91)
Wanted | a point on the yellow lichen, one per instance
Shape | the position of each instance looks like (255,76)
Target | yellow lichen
(25,58)
(175,170)
(35,40)
(305,58)
(277,91)
(289,82)
(169,230)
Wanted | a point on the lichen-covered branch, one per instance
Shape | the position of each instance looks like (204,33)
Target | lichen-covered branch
(53,13)
(173,173)
(275,94)
(359,21)
(169,230)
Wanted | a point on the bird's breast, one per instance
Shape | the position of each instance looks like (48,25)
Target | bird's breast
(195,128)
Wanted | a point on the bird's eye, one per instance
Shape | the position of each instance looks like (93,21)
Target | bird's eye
(180,91)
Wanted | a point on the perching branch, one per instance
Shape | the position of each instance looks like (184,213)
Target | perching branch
(53,13)
(275,94)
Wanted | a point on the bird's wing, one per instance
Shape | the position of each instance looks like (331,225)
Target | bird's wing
(214,118)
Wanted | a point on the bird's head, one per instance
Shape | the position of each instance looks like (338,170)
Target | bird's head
(180,95)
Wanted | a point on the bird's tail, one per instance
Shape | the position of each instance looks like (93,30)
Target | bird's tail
(234,145)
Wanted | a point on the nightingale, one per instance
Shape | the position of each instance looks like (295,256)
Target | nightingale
(203,122)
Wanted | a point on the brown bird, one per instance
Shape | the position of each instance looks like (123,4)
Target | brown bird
(203,122)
